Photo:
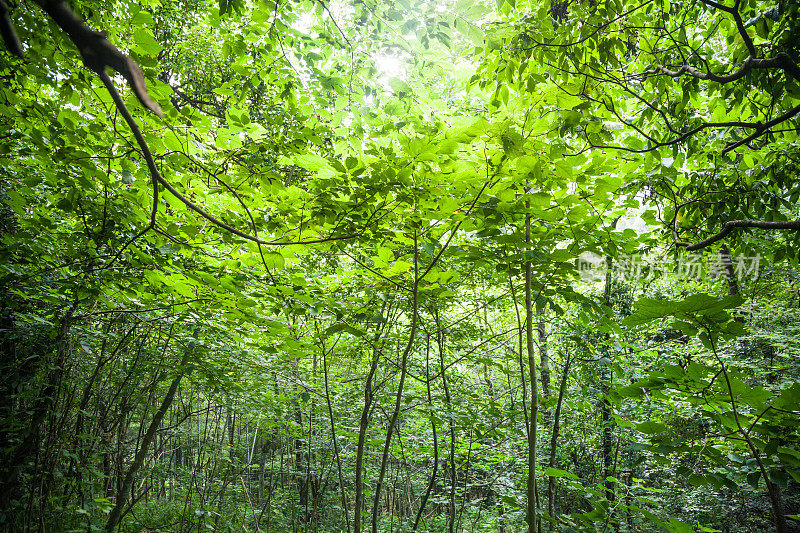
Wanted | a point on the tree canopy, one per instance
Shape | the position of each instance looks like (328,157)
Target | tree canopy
(293,265)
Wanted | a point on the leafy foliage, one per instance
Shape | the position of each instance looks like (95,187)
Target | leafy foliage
(399,266)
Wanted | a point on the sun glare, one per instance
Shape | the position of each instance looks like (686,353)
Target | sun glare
(390,65)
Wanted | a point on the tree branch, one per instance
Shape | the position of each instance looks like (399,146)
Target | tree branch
(763,128)
(733,224)
(734,12)
(157,177)
(8,32)
(780,61)
(97,52)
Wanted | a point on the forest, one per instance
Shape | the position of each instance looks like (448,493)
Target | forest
(400,266)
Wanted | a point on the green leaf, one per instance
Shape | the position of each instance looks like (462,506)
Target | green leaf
(310,161)
(399,86)
(789,398)
(555,472)
(779,477)
(336,328)
(651,427)
(676,526)
(698,480)
(274,261)
(228,6)
(386,255)
(649,309)
(146,43)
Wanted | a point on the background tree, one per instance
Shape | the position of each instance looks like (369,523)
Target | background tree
(297,290)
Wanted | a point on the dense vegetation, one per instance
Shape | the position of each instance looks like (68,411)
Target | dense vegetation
(291,265)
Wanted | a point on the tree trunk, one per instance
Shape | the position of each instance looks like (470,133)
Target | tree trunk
(541,327)
(533,495)
(432,479)
(605,403)
(399,396)
(451,509)
(551,482)
(334,439)
(364,422)
(116,514)
(29,447)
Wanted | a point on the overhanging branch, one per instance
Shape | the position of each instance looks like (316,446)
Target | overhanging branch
(8,32)
(97,52)
(734,224)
